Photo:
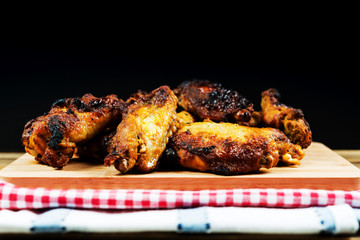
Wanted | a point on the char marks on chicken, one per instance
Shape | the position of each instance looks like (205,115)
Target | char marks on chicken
(228,148)
(290,120)
(209,100)
(53,137)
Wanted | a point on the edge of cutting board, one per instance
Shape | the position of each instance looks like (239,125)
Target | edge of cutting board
(321,168)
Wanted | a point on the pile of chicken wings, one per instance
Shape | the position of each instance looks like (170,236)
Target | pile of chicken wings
(199,125)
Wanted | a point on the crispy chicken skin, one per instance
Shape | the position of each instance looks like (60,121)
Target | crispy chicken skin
(212,101)
(143,134)
(53,137)
(228,148)
(290,120)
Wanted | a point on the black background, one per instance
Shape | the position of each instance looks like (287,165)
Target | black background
(315,70)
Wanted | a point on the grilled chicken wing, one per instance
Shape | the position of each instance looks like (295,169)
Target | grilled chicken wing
(142,135)
(53,137)
(212,101)
(287,119)
(227,148)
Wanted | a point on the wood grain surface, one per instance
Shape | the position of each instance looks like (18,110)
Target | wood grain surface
(321,168)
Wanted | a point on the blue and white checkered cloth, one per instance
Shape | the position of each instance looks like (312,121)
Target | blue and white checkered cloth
(338,219)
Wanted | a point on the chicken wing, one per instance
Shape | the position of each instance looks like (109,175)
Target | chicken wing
(142,135)
(212,101)
(287,119)
(227,148)
(53,137)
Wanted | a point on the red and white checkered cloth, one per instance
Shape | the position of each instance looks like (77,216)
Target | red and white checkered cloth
(12,197)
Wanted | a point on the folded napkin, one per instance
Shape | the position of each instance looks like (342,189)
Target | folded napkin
(339,219)
(12,197)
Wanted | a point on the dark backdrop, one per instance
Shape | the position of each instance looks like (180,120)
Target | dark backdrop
(318,75)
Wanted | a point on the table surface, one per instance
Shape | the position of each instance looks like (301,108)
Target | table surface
(352,156)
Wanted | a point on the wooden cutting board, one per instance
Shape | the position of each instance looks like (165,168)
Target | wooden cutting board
(320,169)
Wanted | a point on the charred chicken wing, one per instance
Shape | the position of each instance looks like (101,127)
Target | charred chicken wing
(53,137)
(227,148)
(287,119)
(142,135)
(212,101)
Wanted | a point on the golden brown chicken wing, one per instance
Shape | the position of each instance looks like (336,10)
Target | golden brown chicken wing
(287,119)
(142,135)
(212,101)
(227,148)
(53,137)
